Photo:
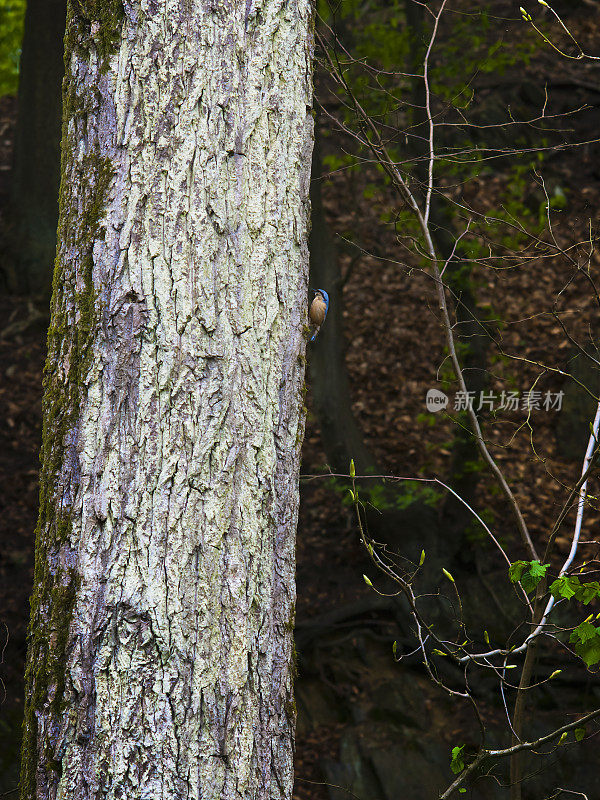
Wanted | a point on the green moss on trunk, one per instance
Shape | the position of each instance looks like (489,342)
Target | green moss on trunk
(94,25)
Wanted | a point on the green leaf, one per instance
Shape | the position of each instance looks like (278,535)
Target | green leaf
(352,469)
(579,734)
(422,561)
(562,738)
(367,581)
(588,592)
(457,762)
(565,586)
(537,570)
(586,638)
(584,633)
(516,570)
(529,573)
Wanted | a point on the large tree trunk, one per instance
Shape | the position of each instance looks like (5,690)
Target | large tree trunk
(161,658)
(36,169)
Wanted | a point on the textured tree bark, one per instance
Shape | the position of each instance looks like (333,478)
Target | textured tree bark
(36,174)
(161,659)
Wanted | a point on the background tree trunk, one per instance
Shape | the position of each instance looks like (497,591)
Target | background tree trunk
(391,521)
(36,167)
(342,439)
(161,660)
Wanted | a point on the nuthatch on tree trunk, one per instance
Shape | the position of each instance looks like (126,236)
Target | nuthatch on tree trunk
(318,310)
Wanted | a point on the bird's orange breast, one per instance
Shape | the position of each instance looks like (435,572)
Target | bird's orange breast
(317,310)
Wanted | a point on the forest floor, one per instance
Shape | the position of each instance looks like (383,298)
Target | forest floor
(394,352)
